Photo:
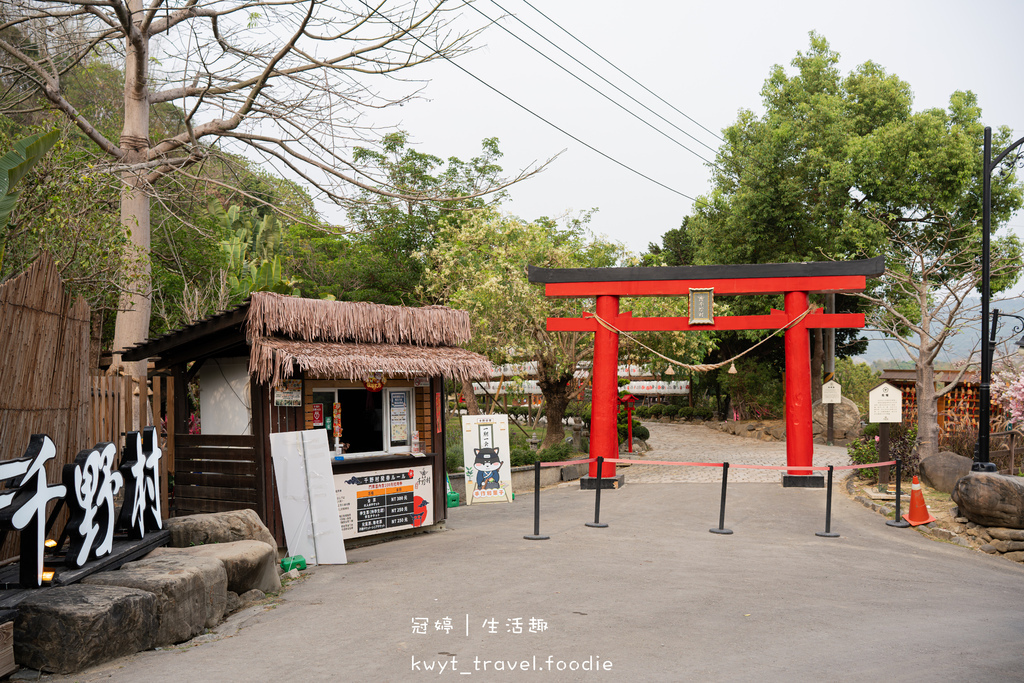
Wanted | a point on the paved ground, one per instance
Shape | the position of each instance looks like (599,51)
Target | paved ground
(689,443)
(653,597)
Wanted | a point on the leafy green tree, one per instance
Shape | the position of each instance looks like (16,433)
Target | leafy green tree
(857,379)
(382,259)
(478,264)
(842,167)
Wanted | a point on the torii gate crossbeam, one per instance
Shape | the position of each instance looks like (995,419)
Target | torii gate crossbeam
(793,280)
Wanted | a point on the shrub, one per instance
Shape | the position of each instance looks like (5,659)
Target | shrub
(656,410)
(639,432)
(671,411)
(686,412)
(902,445)
(861,452)
(522,456)
(558,452)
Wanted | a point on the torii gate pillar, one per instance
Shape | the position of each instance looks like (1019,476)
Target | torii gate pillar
(604,429)
(799,420)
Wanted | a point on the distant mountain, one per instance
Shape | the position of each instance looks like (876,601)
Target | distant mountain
(889,353)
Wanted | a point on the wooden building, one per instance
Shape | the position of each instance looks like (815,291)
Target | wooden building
(370,375)
(958,408)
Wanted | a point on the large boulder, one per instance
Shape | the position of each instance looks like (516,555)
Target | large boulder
(249,564)
(219,527)
(212,574)
(845,418)
(70,628)
(942,470)
(180,596)
(991,499)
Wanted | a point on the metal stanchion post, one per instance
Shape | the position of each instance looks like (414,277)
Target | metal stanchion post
(721,514)
(536,506)
(597,498)
(828,509)
(898,520)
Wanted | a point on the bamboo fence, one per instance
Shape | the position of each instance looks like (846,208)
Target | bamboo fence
(44,388)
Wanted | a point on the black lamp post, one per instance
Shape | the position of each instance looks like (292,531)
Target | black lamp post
(981,461)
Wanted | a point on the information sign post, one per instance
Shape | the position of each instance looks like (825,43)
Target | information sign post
(831,393)
(885,406)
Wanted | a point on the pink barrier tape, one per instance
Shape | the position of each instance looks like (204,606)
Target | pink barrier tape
(569,462)
(667,462)
(616,461)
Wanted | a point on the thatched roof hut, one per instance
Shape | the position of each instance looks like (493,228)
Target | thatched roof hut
(354,340)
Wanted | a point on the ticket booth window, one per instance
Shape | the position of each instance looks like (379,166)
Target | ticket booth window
(371,422)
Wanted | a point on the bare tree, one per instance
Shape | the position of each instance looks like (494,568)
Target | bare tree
(932,269)
(287,79)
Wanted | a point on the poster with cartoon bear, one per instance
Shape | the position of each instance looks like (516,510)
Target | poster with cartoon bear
(486,453)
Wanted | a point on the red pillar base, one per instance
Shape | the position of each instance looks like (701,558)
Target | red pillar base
(803,481)
(588,483)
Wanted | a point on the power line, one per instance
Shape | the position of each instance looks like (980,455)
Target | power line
(638,83)
(620,90)
(374,10)
(567,133)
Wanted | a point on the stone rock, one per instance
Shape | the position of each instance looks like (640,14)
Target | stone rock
(234,603)
(214,577)
(942,470)
(181,601)
(960,520)
(1006,534)
(845,418)
(249,598)
(1007,546)
(1015,556)
(292,574)
(249,564)
(220,527)
(943,534)
(988,549)
(991,499)
(70,628)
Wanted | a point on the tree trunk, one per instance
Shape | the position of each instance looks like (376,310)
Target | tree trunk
(927,410)
(132,324)
(817,360)
(557,400)
(467,393)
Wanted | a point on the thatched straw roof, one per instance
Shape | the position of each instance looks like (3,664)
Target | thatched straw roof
(277,315)
(274,359)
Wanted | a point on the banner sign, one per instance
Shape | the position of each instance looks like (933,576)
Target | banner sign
(288,393)
(384,500)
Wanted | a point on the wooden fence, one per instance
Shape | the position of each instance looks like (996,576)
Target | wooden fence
(214,472)
(122,404)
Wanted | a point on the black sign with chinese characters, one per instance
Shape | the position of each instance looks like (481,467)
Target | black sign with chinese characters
(89,486)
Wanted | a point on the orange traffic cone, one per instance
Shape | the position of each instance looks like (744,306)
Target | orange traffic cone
(918,513)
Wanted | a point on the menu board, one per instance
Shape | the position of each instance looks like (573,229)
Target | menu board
(398,408)
(384,500)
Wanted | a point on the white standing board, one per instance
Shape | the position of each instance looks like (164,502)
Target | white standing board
(305,486)
(885,404)
(831,392)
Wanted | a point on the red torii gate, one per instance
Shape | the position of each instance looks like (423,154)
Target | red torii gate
(794,280)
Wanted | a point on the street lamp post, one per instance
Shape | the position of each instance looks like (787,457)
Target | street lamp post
(981,450)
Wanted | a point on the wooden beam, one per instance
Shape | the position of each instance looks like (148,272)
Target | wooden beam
(761,285)
(774,321)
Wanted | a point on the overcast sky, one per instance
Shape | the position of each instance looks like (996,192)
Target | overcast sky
(707,60)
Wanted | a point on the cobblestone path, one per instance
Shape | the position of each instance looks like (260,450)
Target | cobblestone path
(696,443)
